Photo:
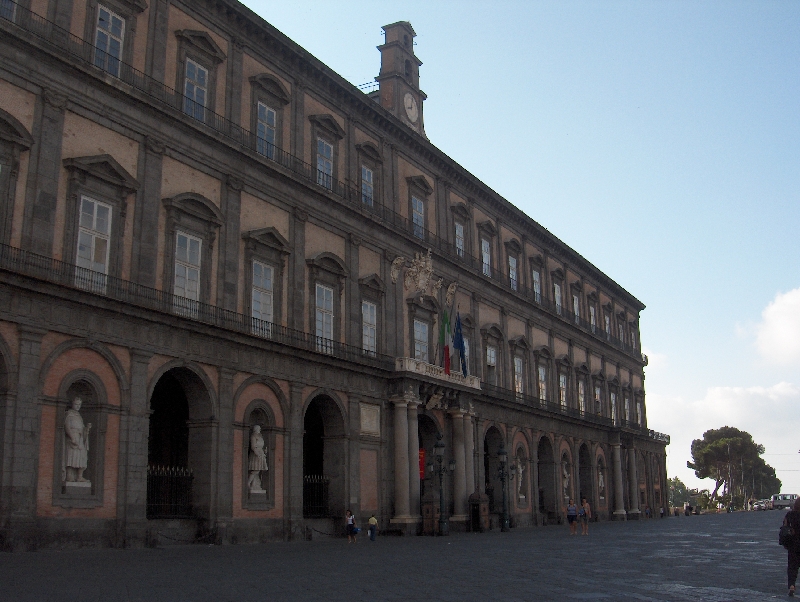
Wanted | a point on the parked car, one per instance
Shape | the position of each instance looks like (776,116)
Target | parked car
(760,504)
(783,500)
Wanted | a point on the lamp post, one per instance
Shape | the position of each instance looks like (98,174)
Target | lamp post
(504,475)
(438,454)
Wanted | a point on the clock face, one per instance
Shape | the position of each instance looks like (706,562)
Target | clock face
(411,107)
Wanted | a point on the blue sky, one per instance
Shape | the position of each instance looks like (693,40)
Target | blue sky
(661,140)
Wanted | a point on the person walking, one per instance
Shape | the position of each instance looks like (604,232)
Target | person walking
(373,527)
(572,517)
(350,523)
(793,520)
(584,514)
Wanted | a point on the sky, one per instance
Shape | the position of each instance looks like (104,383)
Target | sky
(661,140)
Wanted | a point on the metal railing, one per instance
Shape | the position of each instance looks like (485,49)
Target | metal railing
(169,492)
(60,40)
(532,401)
(58,272)
(315,496)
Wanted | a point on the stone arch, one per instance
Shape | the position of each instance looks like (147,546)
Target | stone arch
(8,370)
(428,429)
(325,456)
(210,400)
(98,348)
(547,499)
(280,396)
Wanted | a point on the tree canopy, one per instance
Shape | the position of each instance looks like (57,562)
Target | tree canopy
(731,457)
(678,492)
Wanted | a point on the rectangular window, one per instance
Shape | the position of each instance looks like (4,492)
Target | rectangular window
(261,299)
(593,318)
(486,257)
(8,10)
(557,297)
(324,164)
(421,340)
(460,239)
(418,217)
(608,326)
(369,327)
(598,404)
(512,272)
(108,39)
(265,130)
(94,237)
(639,413)
(627,408)
(621,328)
(491,365)
(537,286)
(324,318)
(187,274)
(519,378)
(367,186)
(195,90)
(562,390)
(633,336)
(542,370)
(582,396)
(466,353)
(613,407)
(576,308)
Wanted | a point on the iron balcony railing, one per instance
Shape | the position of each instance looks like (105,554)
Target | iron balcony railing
(30,264)
(96,61)
(533,401)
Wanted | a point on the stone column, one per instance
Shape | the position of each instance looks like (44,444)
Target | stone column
(460,475)
(223,507)
(469,454)
(413,458)
(633,481)
(481,476)
(401,493)
(354,452)
(293,476)
(533,479)
(576,472)
(619,502)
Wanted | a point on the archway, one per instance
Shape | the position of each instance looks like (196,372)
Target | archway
(179,449)
(428,432)
(585,471)
(492,486)
(547,483)
(324,459)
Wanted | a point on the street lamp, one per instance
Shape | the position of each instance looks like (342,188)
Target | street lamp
(504,475)
(438,454)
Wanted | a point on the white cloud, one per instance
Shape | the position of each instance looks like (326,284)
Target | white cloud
(778,333)
(769,414)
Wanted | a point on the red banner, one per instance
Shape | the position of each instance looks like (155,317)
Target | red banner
(422,464)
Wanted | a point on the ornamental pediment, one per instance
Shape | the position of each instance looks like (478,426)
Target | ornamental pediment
(104,168)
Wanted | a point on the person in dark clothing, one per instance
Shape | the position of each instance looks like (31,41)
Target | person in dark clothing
(793,520)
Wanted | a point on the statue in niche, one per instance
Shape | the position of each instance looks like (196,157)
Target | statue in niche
(257,460)
(76,444)
(601,483)
(565,477)
(520,470)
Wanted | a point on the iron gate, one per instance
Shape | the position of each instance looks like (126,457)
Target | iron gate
(169,492)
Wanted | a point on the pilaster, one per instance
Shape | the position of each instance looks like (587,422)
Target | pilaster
(619,499)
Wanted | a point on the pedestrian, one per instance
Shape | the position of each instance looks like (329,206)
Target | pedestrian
(350,523)
(662,512)
(584,514)
(373,527)
(646,511)
(572,517)
(793,520)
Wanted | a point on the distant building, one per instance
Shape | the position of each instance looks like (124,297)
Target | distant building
(205,229)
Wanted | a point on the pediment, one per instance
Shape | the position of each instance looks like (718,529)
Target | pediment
(197,206)
(202,41)
(466,320)
(558,274)
(268,237)
(492,330)
(373,281)
(329,124)
(11,130)
(598,375)
(488,228)
(272,86)
(519,342)
(577,285)
(104,168)
(543,351)
(513,246)
(135,6)
(536,260)
(328,262)
(369,150)
(564,360)
(461,210)
(420,183)
(426,302)
(583,369)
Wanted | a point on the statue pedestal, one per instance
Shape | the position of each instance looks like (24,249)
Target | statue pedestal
(78,487)
(258,491)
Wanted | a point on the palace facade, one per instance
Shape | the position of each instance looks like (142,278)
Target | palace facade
(204,229)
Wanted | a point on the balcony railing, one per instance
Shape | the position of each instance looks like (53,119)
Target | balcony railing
(532,401)
(407,364)
(58,272)
(61,41)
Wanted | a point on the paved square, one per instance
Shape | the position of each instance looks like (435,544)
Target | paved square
(713,558)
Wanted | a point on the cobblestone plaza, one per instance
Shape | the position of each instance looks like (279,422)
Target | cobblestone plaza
(711,558)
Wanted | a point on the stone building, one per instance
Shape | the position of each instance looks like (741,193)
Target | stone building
(204,229)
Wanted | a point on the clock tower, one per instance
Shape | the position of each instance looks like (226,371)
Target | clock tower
(399,77)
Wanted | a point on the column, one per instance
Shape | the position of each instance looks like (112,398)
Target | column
(533,479)
(460,475)
(619,502)
(293,477)
(576,470)
(413,457)
(469,454)
(401,493)
(223,508)
(354,482)
(633,481)
(481,476)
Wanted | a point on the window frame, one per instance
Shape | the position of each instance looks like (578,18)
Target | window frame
(266,89)
(270,248)
(369,157)
(107,58)
(325,128)
(200,48)
(127,10)
(372,291)
(329,270)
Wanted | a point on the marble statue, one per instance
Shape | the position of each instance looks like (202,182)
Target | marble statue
(76,444)
(520,469)
(601,483)
(565,477)
(257,460)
